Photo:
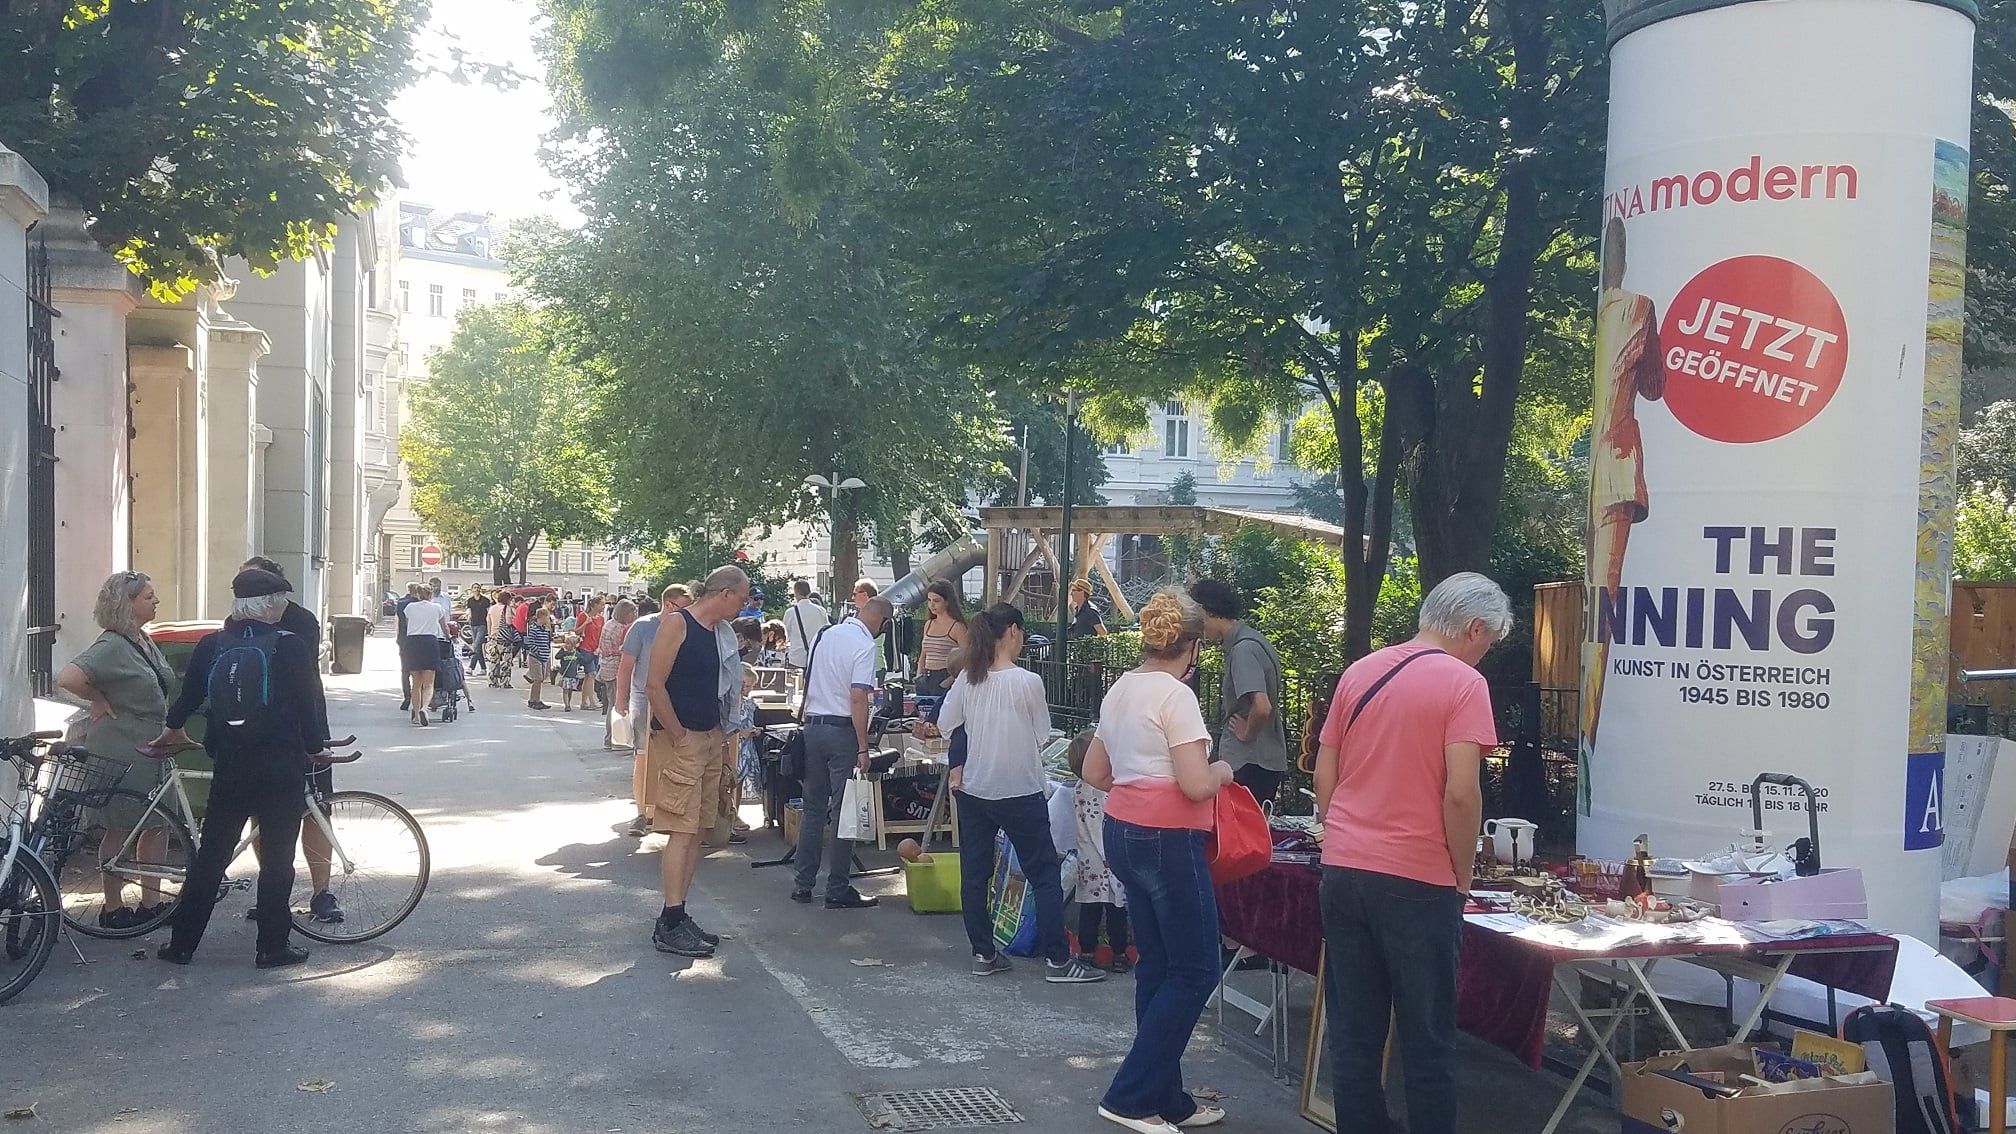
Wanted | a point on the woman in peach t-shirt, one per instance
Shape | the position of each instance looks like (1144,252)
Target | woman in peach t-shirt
(1149,753)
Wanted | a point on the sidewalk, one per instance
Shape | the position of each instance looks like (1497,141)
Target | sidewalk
(523,995)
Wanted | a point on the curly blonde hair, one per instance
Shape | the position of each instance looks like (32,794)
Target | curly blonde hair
(1169,623)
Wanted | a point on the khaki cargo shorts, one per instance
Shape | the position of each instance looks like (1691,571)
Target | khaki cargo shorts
(684,777)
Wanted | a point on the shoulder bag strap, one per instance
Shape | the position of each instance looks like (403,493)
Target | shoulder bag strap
(1389,675)
(805,690)
(153,666)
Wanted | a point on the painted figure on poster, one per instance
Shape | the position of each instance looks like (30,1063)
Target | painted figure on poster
(1628,367)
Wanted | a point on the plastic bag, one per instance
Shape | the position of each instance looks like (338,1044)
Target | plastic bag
(857,810)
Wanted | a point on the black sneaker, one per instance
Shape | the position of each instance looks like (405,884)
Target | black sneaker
(323,908)
(281,958)
(802,897)
(712,939)
(852,900)
(683,939)
(639,827)
(121,918)
(173,955)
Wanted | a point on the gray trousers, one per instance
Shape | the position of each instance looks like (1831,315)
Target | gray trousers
(830,753)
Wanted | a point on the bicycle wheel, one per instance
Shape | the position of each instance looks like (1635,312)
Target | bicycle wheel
(30,907)
(144,871)
(378,872)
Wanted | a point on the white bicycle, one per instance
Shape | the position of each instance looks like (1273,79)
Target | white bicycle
(121,879)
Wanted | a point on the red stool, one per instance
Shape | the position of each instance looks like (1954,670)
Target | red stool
(1997,1014)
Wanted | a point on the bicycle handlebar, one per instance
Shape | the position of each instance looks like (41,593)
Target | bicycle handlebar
(164,753)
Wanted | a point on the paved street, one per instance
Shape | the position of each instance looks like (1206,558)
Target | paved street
(524,996)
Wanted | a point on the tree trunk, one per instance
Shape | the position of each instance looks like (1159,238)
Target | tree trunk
(846,552)
(1368,509)
(1459,487)
(500,566)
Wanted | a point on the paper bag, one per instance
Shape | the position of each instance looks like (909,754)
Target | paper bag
(857,810)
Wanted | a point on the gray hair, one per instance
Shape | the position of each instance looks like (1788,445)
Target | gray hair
(725,578)
(114,609)
(626,611)
(262,608)
(1463,598)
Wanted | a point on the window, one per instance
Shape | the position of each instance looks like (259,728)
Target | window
(406,295)
(468,297)
(436,300)
(587,562)
(1175,429)
(414,556)
(552,561)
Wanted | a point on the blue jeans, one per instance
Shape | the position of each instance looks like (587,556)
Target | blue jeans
(1026,819)
(1390,955)
(1175,916)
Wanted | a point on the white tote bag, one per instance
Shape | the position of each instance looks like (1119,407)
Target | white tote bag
(857,810)
(619,729)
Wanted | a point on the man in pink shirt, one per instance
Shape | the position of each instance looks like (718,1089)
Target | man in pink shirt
(1397,784)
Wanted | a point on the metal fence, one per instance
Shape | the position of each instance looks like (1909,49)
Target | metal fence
(42,375)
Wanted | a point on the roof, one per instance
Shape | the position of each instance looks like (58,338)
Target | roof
(1163,519)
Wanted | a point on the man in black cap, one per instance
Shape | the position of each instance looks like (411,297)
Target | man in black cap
(260,683)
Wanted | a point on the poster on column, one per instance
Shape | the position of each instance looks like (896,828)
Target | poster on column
(1771,489)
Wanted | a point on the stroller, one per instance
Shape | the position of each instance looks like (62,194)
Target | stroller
(451,684)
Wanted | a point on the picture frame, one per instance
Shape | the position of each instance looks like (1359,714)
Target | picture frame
(1316,1104)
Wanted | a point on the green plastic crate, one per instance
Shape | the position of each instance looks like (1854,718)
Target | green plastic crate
(933,886)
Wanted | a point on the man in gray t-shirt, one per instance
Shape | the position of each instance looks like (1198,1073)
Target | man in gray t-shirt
(1253,737)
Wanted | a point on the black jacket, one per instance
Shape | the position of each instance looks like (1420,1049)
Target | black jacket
(297,620)
(293,728)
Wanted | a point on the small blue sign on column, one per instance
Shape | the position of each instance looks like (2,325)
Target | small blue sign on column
(1924,800)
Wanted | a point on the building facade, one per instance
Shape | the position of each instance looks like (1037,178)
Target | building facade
(447,262)
(24,199)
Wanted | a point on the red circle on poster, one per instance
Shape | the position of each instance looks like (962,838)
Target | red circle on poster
(1754,347)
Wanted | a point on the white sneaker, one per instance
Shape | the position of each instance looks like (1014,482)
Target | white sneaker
(1155,1125)
(1204,1115)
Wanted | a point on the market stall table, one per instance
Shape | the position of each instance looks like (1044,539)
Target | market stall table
(1506,978)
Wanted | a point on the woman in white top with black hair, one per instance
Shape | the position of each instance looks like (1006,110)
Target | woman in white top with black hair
(1000,785)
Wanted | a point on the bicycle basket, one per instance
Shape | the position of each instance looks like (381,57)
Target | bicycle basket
(87,780)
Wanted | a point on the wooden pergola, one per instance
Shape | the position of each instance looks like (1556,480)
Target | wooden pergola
(1092,527)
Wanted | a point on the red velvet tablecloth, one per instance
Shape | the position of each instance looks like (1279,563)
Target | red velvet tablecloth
(1504,983)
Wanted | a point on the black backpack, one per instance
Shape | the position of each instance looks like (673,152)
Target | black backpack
(1907,1054)
(241,679)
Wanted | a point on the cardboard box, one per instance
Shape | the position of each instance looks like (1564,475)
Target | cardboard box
(1655,1104)
(794,818)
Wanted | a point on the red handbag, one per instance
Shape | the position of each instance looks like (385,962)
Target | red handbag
(1241,844)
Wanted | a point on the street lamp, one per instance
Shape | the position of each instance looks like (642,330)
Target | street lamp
(833,487)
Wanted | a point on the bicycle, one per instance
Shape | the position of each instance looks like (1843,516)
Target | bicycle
(49,776)
(378,862)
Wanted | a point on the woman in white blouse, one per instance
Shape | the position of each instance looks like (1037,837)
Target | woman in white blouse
(1000,785)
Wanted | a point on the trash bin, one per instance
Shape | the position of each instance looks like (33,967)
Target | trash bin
(346,643)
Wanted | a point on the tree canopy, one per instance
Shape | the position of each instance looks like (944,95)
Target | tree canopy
(501,444)
(753,325)
(209,128)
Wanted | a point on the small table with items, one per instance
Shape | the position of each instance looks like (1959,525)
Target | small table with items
(1511,965)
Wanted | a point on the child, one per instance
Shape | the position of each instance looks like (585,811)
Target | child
(572,672)
(1099,894)
(538,645)
(748,766)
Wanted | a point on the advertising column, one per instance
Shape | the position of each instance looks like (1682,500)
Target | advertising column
(1777,397)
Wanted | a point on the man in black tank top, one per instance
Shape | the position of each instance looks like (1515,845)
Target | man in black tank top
(687,750)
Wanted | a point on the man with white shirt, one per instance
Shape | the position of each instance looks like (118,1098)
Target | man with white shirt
(839,689)
(802,624)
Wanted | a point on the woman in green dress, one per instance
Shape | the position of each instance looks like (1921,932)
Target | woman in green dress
(125,680)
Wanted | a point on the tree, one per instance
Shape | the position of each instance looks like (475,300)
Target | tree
(501,444)
(1266,206)
(205,128)
(1984,538)
(737,290)
(1988,448)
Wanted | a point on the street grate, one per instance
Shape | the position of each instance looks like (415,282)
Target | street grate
(953,1108)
